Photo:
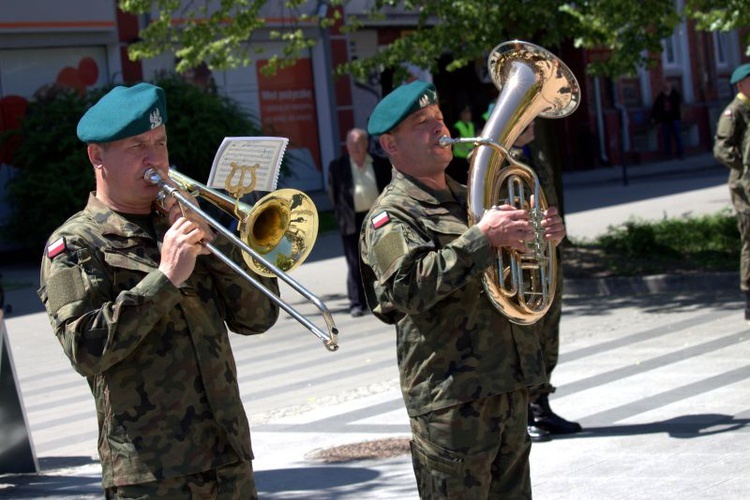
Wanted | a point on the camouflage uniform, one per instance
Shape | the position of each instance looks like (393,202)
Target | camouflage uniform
(464,367)
(732,148)
(157,358)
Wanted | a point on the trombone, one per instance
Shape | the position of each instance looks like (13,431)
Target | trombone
(260,226)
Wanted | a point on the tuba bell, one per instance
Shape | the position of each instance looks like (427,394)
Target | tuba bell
(532,82)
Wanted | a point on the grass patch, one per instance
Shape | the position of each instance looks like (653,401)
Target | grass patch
(707,243)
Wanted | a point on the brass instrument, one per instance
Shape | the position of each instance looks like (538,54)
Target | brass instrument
(276,235)
(532,82)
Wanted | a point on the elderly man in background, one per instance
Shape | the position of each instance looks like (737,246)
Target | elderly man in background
(354,181)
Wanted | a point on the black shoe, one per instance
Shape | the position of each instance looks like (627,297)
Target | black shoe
(537,434)
(543,417)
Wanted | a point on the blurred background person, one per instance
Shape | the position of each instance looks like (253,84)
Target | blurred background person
(464,128)
(543,422)
(354,182)
(666,113)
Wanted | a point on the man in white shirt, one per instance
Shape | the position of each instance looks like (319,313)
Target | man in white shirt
(354,182)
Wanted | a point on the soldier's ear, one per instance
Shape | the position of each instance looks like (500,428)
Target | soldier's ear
(95,155)
(388,143)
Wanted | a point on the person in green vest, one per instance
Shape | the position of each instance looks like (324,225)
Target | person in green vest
(486,114)
(458,168)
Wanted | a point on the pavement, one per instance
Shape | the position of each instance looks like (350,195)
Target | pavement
(656,370)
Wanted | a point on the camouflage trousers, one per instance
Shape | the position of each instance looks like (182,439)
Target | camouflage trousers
(743,224)
(477,450)
(230,482)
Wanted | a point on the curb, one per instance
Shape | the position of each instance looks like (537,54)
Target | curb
(654,284)
(619,174)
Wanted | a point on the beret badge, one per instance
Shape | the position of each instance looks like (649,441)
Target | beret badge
(155,118)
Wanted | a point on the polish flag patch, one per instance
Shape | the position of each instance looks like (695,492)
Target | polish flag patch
(381,220)
(56,248)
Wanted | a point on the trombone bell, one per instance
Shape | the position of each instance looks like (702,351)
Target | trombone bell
(287,219)
(282,227)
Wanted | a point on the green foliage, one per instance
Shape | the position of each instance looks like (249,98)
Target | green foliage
(628,33)
(619,26)
(709,243)
(55,176)
(467,30)
(217,33)
(720,15)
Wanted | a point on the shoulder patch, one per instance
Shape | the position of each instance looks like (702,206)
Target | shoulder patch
(727,112)
(391,247)
(381,220)
(56,247)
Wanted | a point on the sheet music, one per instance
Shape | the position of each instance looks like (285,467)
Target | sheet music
(255,162)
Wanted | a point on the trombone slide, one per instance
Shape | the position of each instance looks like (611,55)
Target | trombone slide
(329,338)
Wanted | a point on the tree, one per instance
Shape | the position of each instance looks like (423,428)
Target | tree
(218,32)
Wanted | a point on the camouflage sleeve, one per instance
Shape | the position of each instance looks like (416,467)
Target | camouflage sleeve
(247,310)
(412,273)
(96,327)
(728,139)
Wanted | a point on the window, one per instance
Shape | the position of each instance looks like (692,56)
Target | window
(671,56)
(725,49)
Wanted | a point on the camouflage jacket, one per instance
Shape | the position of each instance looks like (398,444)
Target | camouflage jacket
(732,148)
(422,267)
(157,358)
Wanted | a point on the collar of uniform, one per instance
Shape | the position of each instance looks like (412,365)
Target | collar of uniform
(744,99)
(112,223)
(426,194)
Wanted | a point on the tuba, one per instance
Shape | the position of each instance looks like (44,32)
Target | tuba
(532,82)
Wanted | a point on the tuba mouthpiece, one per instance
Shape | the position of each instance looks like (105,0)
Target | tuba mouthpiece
(446,141)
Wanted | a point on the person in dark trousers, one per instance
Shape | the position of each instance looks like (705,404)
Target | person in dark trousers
(354,181)
(732,149)
(543,422)
(666,113)
(144,313)
(464,368)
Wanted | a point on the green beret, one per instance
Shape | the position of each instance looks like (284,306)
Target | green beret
(399,104)
(740,74)
(124,112)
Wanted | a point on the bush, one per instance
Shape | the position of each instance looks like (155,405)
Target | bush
(54,175)
(705,243)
